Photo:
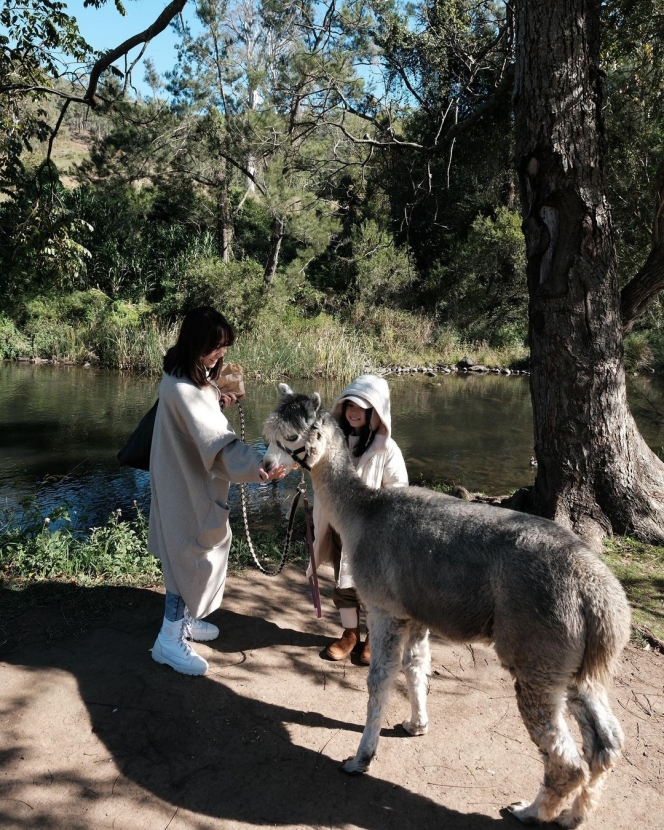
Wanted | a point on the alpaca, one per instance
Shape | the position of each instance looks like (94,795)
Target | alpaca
(556,616)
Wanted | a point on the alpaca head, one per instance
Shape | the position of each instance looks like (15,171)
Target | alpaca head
(293,430)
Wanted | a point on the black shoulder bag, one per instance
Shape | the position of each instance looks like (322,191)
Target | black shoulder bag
(136,452)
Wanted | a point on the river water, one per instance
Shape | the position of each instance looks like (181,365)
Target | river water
(61,427)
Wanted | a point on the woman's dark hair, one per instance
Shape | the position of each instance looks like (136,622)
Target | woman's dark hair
(366,435)
(203,330)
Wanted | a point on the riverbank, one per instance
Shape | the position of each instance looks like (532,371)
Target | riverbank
(86,328)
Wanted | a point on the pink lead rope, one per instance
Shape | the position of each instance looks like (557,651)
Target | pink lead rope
(313,579)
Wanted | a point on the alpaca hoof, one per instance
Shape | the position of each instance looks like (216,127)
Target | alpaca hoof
(353,766)
(523,811)
(415,729)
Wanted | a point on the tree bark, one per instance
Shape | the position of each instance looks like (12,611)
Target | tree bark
(595,472)
(278,232)
(224,218)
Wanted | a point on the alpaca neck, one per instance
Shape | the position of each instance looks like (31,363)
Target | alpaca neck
(335,480)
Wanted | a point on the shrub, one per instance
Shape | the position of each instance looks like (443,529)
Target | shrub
(235,288)
(13,343)
(638,351)
(47,548)
(483,289)
(383,271)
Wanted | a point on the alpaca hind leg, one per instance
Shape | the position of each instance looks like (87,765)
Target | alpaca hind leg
(602,741)
(386,640)
(417,668)
(542,707)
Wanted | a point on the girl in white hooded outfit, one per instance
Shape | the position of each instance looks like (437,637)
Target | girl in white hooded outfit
(363,413)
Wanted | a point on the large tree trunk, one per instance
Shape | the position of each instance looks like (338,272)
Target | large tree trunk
(595,472)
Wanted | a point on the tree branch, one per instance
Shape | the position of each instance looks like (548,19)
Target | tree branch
(172,10)
(641,291)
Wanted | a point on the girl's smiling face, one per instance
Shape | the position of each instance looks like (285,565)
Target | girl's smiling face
(356,416)
(211,359)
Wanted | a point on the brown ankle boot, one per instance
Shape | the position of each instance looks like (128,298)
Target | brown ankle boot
(365,657)
(341,648)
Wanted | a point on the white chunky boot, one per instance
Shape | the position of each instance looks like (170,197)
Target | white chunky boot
(172,649)
(201,632)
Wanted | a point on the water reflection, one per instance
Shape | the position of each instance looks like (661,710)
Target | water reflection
(61,427)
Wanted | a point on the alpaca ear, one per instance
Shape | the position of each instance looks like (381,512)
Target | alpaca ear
(284,389)
(313,404)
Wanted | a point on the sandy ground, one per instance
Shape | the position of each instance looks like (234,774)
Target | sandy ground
(97,735)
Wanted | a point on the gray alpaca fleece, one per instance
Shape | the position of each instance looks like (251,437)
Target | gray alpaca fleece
(556,615)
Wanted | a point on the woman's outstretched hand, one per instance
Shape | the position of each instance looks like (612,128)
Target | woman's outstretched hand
(276,472)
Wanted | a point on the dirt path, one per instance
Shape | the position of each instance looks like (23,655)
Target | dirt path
(96,735)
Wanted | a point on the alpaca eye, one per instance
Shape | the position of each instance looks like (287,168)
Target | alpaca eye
(292,437)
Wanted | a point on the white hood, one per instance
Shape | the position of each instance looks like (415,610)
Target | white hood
(375,391)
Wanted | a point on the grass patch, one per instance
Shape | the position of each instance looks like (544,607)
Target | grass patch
(640,569)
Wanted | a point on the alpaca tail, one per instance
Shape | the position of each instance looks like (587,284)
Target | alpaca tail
(608,620)
(607,617)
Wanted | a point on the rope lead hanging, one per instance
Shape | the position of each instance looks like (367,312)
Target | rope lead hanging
(302,488)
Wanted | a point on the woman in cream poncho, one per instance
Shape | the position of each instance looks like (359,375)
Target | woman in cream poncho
(195,455)
(363,412)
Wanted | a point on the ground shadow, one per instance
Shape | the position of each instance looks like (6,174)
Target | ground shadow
(198,744)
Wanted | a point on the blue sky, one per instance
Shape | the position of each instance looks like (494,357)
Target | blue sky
(105,28)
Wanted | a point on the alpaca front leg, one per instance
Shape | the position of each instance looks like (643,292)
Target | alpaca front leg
(386,639)
(417,668)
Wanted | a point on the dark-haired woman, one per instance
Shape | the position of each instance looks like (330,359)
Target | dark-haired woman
(195,455)
(363,413)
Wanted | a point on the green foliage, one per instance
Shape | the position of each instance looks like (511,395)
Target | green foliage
(40,237)
(13,343)
(638,351)
(234,287)
(252,229)
(383,272)
(46,548)
(295,346)
(78,307)
(395,335)
(633,63)
(36,36)
(483,289)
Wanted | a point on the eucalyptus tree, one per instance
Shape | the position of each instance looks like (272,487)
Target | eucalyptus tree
(422,91)
(231,72)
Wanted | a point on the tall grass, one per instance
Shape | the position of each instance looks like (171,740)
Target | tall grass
(136,347)
(326,349)
(88,327)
